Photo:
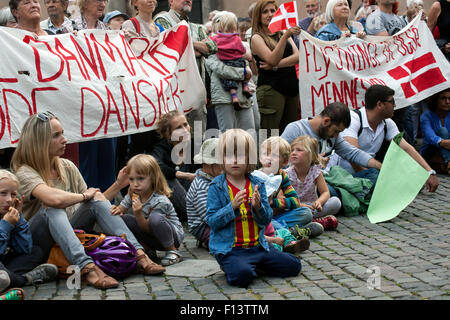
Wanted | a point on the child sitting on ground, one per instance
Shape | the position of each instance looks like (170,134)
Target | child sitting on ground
(306,177)
(231,52)
(238,212)
(152,218)
(197,195)
(19,259)
(288,211)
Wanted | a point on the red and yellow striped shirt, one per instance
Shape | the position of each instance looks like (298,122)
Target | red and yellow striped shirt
(246,228)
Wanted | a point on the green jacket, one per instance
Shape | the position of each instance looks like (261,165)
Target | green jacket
(355,192)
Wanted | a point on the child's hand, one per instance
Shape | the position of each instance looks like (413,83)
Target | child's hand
(115,211)
(317,205)
(137,205)
(12,216)
(239,199)
(256,200)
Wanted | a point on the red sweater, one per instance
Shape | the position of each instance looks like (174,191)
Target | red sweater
(229,46)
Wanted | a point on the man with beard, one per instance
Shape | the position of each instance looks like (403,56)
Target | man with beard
(57,21)
(384,21)
(312,10)
(326,128)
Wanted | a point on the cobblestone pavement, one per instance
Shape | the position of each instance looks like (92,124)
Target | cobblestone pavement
(410,253)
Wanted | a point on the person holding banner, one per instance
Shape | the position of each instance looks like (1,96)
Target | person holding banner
(276,56)
(90,13)
(97,157)
(337,13)
(143,25)
(57,200)
(28,16)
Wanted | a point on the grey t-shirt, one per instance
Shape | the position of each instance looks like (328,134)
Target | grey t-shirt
(379,21)
(163,205)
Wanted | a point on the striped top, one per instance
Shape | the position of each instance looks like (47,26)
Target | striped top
(196,199)
(291,200)
(246,228)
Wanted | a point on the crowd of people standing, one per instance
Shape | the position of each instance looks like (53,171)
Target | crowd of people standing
(133,186)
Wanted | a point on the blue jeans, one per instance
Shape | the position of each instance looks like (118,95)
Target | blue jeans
(240,264)
(50,225)
(299,216)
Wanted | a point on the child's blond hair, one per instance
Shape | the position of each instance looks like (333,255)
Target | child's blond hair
(284,148)
(8,175)
(311,146)
(238,141)
(225,22)
(146,165)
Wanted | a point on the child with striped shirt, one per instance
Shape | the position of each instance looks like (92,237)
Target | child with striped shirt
(238,212)
(288,211)
(197,195)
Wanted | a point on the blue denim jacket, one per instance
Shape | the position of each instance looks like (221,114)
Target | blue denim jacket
(330,32)
(220,215)
(17,237)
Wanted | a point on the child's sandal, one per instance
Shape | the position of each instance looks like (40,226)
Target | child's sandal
(297,246)
(13,294)
(171,258)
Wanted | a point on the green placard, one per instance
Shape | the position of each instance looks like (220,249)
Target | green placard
(399,182)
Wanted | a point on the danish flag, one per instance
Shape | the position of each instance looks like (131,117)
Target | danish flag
(430,75)
(285,17)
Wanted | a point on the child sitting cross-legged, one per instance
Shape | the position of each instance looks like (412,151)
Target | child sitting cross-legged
(238,212)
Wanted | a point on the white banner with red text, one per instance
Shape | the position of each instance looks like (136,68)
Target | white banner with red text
(96,82)
(408,62)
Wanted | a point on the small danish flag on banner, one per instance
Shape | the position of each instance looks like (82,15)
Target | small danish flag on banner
(285,17)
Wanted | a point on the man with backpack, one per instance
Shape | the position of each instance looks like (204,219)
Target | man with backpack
(372,129)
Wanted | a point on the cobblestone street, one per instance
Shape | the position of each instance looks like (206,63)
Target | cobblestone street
(410,253)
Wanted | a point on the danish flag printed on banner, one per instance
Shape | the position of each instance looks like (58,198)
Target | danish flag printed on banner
(285,17)
(418,75)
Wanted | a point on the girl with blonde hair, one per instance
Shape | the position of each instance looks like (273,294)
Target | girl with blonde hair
(57,200)
(19,259)
(151,216)
(306,177)
(238,212)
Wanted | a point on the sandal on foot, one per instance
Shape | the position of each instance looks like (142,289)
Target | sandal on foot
(297,246)
(13,294)
(150,268)
(104,281)
(171,258)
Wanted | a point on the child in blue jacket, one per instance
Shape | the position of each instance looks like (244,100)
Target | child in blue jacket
(19,259)
(238,212)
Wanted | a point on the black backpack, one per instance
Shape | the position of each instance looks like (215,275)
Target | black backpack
(384,147)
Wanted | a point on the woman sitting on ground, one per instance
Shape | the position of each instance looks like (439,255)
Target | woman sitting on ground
(57,200)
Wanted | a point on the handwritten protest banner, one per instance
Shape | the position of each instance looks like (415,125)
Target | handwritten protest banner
(97,83)
(408,62)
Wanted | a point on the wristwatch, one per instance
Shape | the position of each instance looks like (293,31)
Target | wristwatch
(275,68)
(432,172)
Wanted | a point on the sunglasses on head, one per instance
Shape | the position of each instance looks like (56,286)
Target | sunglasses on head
(45,116)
